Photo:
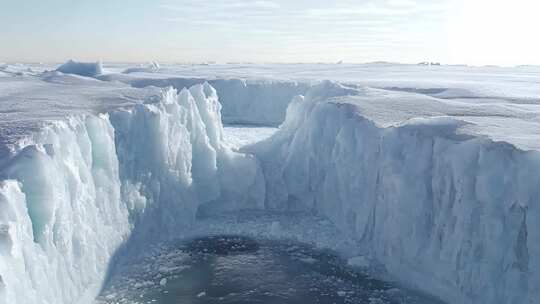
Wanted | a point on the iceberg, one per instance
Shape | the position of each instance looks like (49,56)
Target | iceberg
(88,69)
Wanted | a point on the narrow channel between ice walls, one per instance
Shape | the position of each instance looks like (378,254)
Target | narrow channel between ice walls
(80,188)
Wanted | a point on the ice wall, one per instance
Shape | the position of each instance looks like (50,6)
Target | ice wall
(62,214)
(261,102)
(257,102)
(457,215)
(82,187)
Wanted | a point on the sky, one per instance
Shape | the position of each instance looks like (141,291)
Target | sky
(475,32)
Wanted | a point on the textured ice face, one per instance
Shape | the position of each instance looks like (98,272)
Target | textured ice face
(65,216)
(259,102)
(455,214)
(81,186)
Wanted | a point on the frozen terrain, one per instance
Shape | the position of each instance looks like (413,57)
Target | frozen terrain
(238,136)
(423,175)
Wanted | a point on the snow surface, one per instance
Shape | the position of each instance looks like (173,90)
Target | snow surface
(238,136)
(431,171)
(29,102)
(498,102)
(449,81)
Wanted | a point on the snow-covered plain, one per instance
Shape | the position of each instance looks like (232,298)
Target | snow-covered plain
(432,172)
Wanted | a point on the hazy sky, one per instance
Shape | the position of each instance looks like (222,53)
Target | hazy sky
(451,31)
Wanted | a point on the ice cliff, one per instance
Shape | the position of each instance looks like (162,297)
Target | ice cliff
(79,188)
(454,213)
(259,102)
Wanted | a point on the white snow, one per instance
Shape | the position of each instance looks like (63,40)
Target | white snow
(260,94)
(238,136)
(27,103)
(431,171)
(448,81)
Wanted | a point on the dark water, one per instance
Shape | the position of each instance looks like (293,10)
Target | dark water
(235,269)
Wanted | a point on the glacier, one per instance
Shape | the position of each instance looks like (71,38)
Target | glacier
(435,179)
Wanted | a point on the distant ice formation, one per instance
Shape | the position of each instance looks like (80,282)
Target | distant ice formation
(258,102)
(88,69)
(150,68)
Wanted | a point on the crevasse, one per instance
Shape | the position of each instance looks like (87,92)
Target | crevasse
(455,214)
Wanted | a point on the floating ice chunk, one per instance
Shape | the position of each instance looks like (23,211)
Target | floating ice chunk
(376,301)
(275,228)
(133,196)
(308,260)
(359,261)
